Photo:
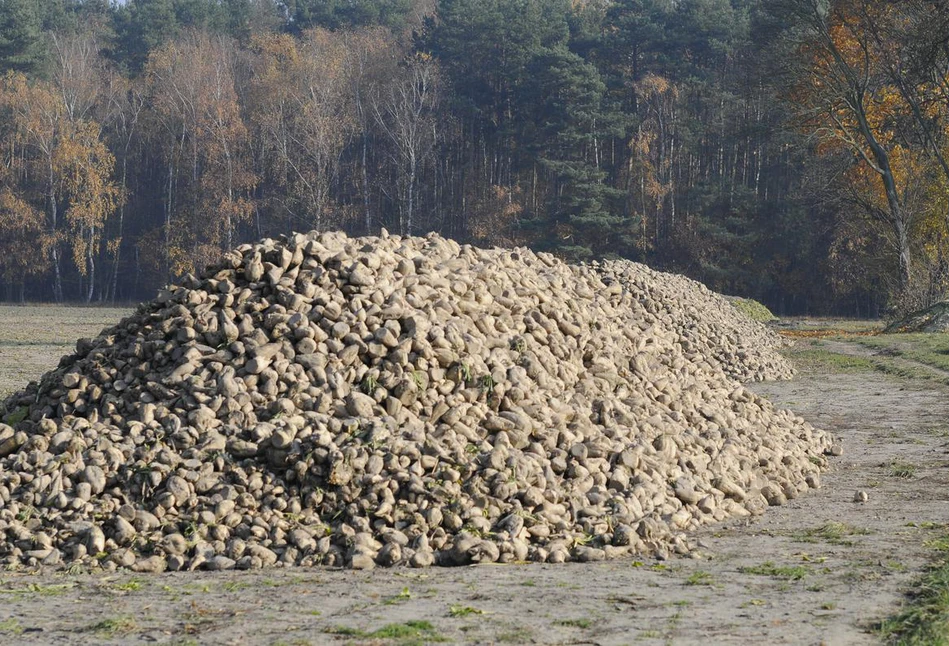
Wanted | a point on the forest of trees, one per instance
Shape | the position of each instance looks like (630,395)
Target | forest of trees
(793,151)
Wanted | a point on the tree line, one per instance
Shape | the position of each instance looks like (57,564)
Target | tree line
(793,151)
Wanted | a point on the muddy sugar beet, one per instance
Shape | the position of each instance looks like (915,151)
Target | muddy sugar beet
(388,401)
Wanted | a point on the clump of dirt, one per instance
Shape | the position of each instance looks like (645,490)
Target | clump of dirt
(934,318)
(384,401)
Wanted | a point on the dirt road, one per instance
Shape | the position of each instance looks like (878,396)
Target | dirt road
(821,569)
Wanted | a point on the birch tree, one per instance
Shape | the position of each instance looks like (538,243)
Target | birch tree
(405,113)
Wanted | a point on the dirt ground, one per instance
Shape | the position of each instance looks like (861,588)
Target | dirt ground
(34,337)
(820,570)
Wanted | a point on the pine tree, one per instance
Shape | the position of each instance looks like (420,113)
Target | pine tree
(336,14)
(565,94)
(21,47)
(141,26)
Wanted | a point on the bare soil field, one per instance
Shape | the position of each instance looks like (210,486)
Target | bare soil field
(822,569)
(34,337)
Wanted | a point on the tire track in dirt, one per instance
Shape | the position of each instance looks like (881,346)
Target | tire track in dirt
(887,359)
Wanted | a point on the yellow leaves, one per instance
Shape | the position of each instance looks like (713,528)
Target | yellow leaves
(113,245)
(23,243)
(63,161)
(653,85)
(192,89)
(85,167)
(849,43)
(846,81)
(933,226)
(306,97)
(276,49)
(36,110)
(18,215)
(206,144)
(909,165)
(649,175)
(180,261)
(852,23)
(849,100)
(494,217)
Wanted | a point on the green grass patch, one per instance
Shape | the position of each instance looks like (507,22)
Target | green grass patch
(36,589)
(11,626)
(132,585)
(923,357)
(898,353)
(408,633)
(404,595)
(824,360)
(700,578)
(768,568)
(834,533)
(576,623)
(940,544)
(114,626)
(752,309)
(415,628)
(900,469)
(924,620)
(929,349)
(235,586)
(911,372)
(463,611)
(519,635)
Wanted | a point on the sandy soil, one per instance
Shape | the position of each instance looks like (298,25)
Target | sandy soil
(820,570)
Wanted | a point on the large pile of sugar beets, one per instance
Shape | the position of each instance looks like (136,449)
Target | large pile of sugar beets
(382,401)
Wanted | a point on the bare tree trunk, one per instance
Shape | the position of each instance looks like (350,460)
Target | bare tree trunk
(411,195)
(168,210)
(54,216)
(365,183)
(904,255)
(670,178)
(897,215)
(91,265)
(118,248)
(229,224)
